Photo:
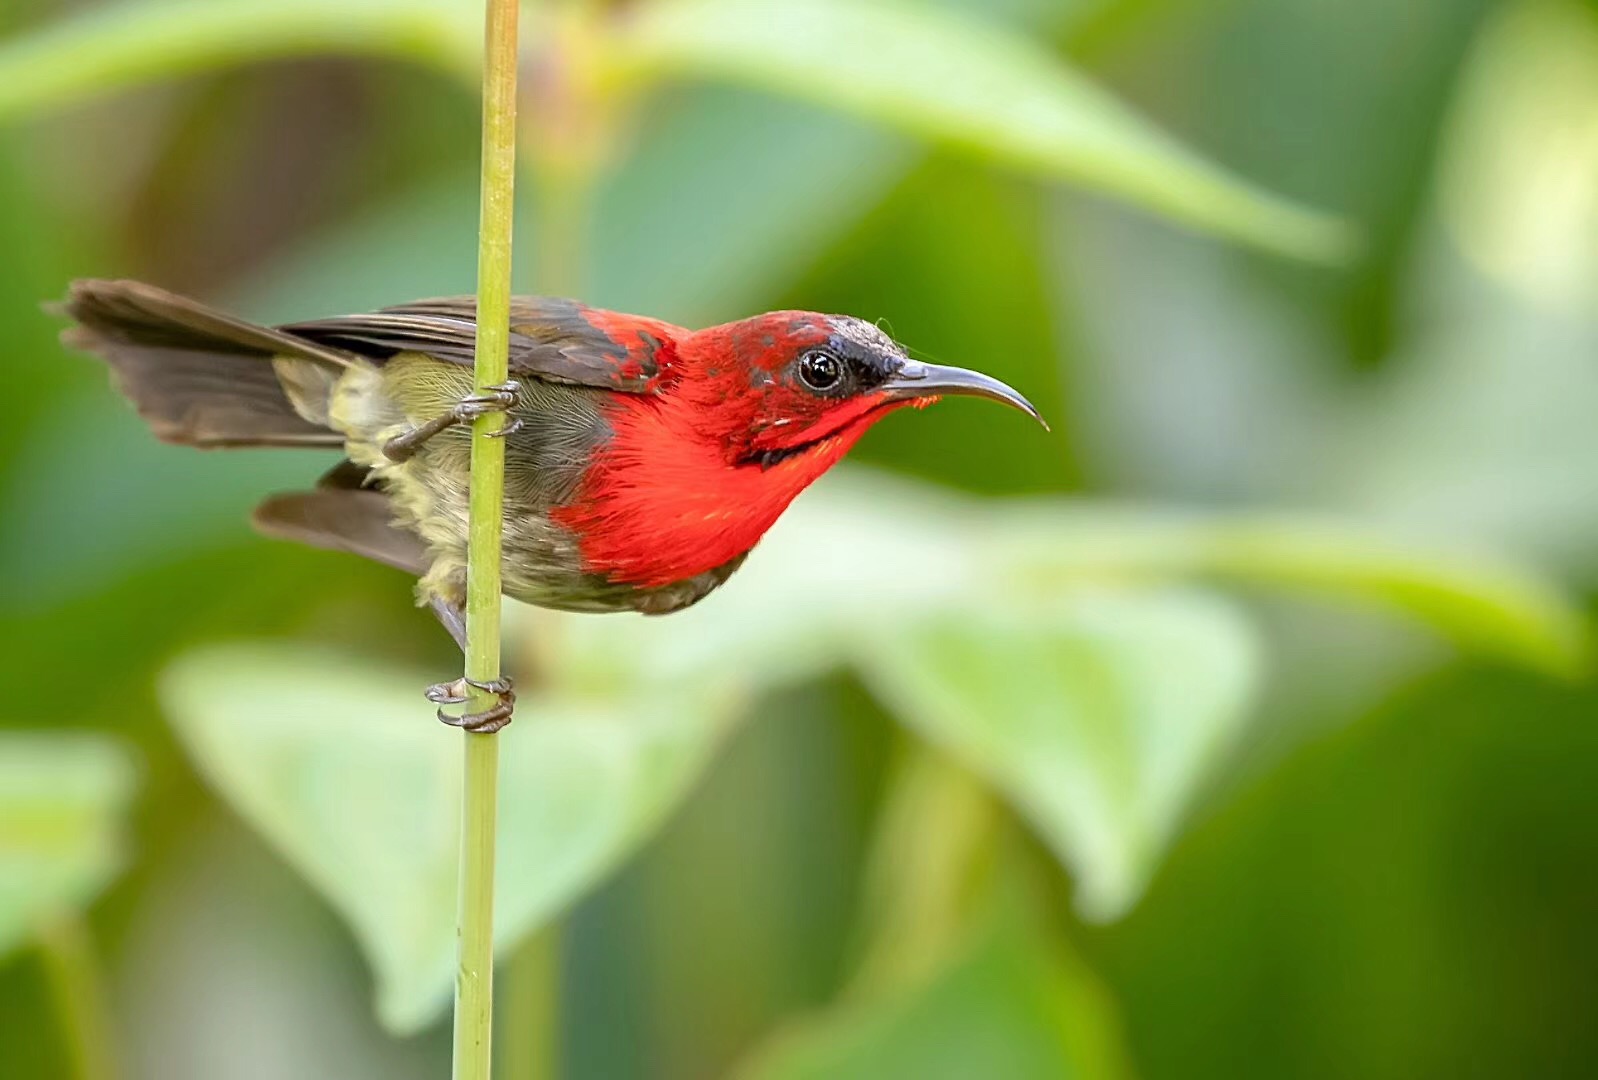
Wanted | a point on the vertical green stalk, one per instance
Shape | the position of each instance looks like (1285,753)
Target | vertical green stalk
(74,977)
(474,982)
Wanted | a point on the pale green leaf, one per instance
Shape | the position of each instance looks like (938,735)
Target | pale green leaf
(341,766)
(1488,605)
(61,840)
(1097,716)
(1009,1002)
(967,83)
(863,549)
(902,580)
(114,47)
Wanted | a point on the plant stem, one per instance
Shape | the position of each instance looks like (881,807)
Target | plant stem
(474,983)
(74,977)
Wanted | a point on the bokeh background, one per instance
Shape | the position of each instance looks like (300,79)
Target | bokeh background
(1254,740)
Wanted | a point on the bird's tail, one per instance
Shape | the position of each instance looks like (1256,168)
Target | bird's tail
(203,378)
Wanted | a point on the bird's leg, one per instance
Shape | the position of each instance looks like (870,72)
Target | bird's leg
(459,691)
(501,397)
(451,617)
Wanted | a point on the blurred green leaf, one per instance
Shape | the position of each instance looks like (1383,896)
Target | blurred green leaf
(1008,1002)
(1487,605)
(115,47)
(339,764)
(1097,716)
(791,610)
(61,804)
(1097,713)
(970,84)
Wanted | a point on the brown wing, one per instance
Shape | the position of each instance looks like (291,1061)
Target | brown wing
(555,340)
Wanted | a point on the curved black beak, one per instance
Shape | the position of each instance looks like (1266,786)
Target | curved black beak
(918,380)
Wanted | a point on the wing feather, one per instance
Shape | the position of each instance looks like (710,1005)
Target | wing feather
(558,341)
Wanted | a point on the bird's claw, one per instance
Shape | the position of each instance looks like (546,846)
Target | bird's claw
(509,429)
(487,721)
(500,397)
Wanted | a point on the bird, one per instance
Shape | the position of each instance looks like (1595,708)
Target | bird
(643,461)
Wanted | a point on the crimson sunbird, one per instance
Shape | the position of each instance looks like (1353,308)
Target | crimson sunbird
(643,460)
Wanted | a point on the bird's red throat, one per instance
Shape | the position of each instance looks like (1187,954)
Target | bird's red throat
(663,502)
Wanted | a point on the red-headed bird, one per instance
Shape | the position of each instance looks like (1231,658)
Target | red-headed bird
(643,460)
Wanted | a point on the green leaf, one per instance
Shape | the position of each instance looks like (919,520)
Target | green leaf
(966,83)
(995,610)
(789,612)
(1096,713)
(1097,716)
(61,803)
(116,47)
(340,765)
(1484,604)
(1009,1002)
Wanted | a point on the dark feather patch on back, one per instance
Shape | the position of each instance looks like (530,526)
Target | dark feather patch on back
(552,340)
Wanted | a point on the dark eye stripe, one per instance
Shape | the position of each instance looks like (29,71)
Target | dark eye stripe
(865,367)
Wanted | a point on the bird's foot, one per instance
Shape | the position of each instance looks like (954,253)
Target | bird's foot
(501,397)
(487,721)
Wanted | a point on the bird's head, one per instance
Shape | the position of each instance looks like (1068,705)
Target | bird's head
(792,385)
(748,415)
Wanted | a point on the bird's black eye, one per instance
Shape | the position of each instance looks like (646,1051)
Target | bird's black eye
(820,370)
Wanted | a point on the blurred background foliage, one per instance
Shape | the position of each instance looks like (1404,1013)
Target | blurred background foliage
(1239,728)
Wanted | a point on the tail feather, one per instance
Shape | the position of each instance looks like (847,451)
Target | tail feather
(197,376)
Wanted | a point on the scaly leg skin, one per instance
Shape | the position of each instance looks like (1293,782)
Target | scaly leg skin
(452,617)
(501,397)
(458,692)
